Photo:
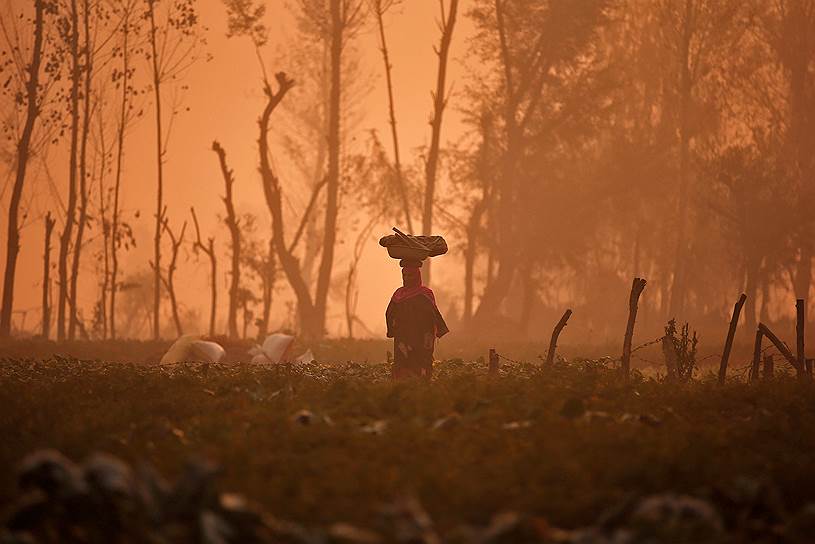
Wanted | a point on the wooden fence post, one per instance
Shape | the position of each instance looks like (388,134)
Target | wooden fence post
(800,321)
(731,334)
(636,290)
(493,362)
(782,347)
(550,355)
(756,355)
(769,367)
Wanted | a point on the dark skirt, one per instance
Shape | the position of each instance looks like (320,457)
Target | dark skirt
(414,324)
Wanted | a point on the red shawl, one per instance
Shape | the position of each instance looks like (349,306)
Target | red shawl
(412,286)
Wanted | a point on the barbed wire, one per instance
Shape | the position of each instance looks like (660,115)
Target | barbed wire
(649,343)
(504,357)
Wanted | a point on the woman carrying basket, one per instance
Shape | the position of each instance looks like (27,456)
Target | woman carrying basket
(413,319)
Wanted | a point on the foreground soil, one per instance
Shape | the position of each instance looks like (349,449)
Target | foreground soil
(569,446)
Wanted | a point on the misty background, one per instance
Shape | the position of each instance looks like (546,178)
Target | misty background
(576,145)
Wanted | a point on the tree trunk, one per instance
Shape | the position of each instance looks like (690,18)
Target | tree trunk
(209,250)
(504,255)
(439,103)
(213,271)
(751,290)
(103,221)
(268,290)
(677,303)
(309,324)
(470,253)
(23,153)
(67,231)
(46,277)
(234,231)
(317,321)
(403,193)
(169,282)
(160,172)
(528,295)
(83,175)
(120,139)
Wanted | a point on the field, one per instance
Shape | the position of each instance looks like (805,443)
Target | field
(339,452)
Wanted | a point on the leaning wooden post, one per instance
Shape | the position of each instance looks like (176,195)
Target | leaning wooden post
(769,367)
(550,355)
(636,290)
(800,309)
(756,355)
(731,333)
(782,347)
(493,362)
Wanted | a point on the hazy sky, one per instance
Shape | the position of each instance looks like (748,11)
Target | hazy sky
(225,100)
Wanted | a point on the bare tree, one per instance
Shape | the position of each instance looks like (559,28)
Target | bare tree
(345,19)
(46,276)
(209,251)
(260,258)
(82,220)
(122,77)
(380,7)
(351,290)
(174,45)
(104,151)
(233,223)
(169,279)
(67,229)
(447,23)
(341,23)
(33,103)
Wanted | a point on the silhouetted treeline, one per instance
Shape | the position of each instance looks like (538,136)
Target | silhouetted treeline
(670,140)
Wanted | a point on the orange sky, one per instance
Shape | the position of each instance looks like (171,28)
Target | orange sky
(225,101)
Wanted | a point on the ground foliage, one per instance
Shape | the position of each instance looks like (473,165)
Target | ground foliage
(340,452)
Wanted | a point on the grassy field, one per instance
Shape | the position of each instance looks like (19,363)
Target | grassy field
(556,454)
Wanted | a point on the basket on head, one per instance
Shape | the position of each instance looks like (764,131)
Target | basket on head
(413,248)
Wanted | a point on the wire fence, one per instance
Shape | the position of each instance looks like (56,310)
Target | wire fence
(742,370)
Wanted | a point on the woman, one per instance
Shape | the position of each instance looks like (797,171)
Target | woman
(414,322)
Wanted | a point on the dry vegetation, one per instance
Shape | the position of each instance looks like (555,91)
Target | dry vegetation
(563,447)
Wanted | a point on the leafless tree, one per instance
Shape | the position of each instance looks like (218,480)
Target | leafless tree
(209,251)
(122,75)
(341,21)
(29,73)
(87,52)
(70,213)
(46,276)
(379,8)
(351,290)
(174,45)
(233,224)
(447,23)
(169,279)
